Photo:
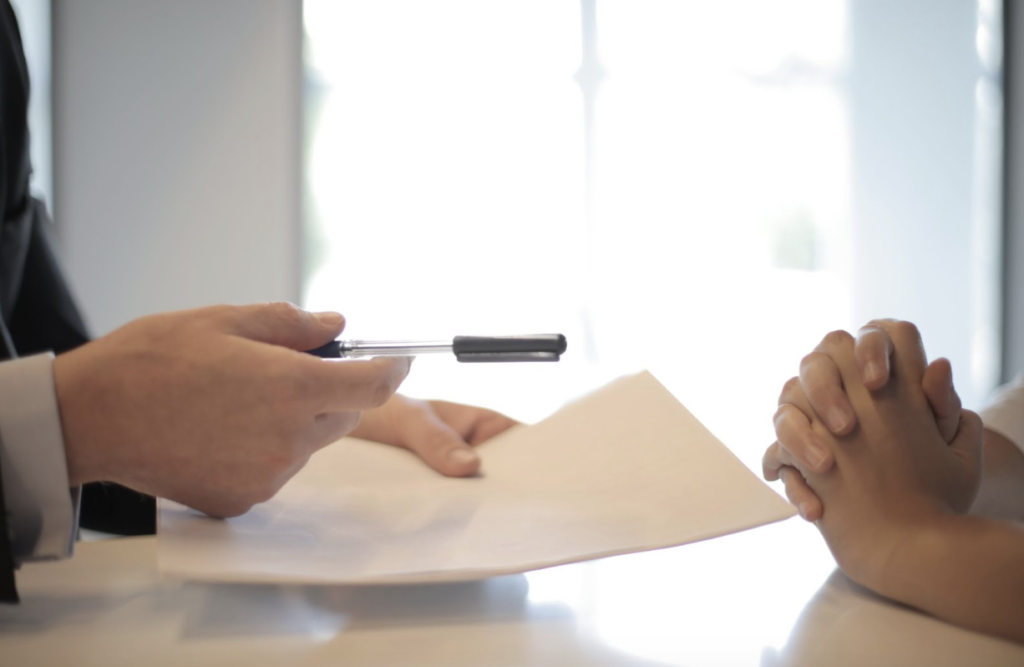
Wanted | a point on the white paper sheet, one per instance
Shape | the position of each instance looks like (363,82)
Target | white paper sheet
(624,469)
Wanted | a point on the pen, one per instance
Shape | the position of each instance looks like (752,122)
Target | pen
(467,349)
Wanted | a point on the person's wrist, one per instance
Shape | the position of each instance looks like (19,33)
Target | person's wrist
(84,464)
(906,544)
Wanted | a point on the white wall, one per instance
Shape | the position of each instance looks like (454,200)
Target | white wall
(177,152)
(925,181)
(34,24)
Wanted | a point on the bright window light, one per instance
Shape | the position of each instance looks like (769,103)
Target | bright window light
(673,185)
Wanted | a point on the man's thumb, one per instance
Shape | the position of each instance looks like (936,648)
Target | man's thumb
(287,325)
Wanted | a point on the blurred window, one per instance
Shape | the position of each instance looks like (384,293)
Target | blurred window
(699,188)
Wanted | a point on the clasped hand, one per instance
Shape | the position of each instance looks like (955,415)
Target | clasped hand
(873,443)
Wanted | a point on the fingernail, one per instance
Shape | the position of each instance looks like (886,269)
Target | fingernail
(816,455)
(330,319)
(837,419)
(463,456)
(872,372)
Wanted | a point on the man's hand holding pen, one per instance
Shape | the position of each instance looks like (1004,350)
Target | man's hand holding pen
(218,407)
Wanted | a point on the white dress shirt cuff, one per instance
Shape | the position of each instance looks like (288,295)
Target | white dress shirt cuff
(42,510)
(1005,412)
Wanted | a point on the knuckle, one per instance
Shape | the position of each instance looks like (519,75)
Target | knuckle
(883,324)
(789,388)
(871,341)
(906,330)
(791,384)
(287,313)
(785,457)
(812,360)
(787,438)
(382,390)
(837,339)
(218,311)
(971,419)
(870,329)
(337,425)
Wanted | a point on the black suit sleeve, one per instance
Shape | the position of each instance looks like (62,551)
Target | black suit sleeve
(45,317)
(37,311)
(41,315)
(8,593)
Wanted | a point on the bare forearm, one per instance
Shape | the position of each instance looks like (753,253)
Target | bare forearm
(1002,486)
(965,570)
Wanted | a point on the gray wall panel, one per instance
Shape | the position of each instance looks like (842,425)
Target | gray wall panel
(177,148)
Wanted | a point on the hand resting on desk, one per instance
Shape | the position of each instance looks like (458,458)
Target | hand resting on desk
(894,494)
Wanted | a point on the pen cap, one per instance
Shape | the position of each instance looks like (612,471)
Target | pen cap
(539,347)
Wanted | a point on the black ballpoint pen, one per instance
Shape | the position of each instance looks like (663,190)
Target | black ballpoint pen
(467,349)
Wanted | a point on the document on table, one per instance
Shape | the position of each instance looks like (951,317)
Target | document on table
(624,469)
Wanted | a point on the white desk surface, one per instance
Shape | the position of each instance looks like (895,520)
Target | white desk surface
(768,597)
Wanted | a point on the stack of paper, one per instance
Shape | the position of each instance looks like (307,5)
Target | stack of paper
(624,469)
